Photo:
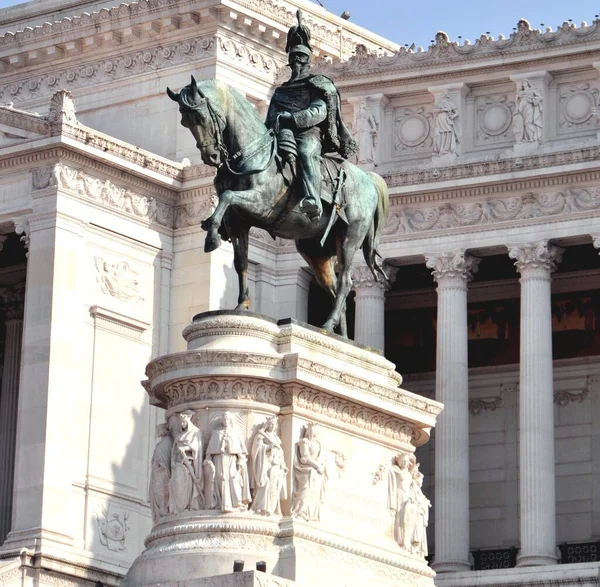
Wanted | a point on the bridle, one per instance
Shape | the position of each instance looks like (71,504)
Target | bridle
(218,126)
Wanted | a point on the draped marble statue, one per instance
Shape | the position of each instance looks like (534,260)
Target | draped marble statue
(268,470)
(528,123)
(160,474)
(185,487)
(408,504)
(310,475)
(365,132)
(226,459)
(445,140)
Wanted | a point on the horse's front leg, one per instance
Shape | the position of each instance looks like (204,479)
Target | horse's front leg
(213,222)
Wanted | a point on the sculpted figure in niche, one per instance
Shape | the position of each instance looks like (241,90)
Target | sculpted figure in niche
(160,475)
(185,488)
(365,131)
(226,459)
(527,121)
(445,140)
(310,475)
(268,470)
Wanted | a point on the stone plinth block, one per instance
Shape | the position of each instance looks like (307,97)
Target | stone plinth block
(285,445)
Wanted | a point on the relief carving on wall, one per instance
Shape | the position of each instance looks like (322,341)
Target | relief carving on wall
(312,472)
(408,504)
(407,220)
(413,130)
(579,106)
(446,136)
(366,133)
(112,529)
(494,119)
(528,123)
(118,280)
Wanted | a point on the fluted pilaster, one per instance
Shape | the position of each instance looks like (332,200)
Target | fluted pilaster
(12,308)
(452,272)
(369,326)
(535,262)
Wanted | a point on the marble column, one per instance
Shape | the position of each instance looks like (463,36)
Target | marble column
(369,324)
(535,262)
(12,300)
(452,272)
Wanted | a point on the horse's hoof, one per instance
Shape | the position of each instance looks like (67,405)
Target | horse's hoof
(245,305)
(212,243)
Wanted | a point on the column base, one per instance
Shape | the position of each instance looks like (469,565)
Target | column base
(536,560)
(451,566)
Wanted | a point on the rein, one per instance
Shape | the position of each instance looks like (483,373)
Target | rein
(242,155)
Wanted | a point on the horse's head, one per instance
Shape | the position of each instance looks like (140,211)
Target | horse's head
(204,122)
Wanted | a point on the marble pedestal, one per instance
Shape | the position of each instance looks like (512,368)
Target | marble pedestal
(313,494)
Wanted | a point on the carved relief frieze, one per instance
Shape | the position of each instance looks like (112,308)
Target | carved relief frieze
(106,193)
(194,213)
(43,177)
(494,119)
(413,130)
(247,57)
(108,70)
(408,220)
(578,103)
(118,280)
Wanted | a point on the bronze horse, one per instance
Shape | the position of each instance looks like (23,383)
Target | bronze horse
(255,190)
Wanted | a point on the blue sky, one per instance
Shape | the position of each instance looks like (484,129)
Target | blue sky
(408,22)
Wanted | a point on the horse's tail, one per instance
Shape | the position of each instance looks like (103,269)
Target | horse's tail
(371,242)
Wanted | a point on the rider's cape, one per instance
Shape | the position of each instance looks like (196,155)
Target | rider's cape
(336,136)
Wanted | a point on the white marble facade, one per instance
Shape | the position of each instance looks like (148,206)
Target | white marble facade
(107,192)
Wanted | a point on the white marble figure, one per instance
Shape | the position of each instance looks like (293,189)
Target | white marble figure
(419,537)
(408,504)
(400,499)
(268,470)
(226,459)
(445,140)
(160,474)
(527,121)
(185,487)
(365,131)
(310,475)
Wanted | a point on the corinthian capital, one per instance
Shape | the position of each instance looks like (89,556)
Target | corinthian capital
(362,278)
(455,267)
(540,257)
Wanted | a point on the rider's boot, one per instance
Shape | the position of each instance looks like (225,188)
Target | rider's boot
(312,208)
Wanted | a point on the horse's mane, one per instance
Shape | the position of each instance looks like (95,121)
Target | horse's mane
(221,96)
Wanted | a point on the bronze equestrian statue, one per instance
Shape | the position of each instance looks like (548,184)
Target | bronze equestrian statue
(290,177)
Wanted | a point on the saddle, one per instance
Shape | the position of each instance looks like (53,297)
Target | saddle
(332,192)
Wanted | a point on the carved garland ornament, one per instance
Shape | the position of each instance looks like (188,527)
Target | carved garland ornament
(407,220)
(108,194)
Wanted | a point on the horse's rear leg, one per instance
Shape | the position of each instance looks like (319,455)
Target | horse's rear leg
(321,265)
(348,245)
(239,239)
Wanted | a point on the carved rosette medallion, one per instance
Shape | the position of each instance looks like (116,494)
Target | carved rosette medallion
(454,269)
(536,260)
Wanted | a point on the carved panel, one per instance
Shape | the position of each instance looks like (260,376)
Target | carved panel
(412,130)
(494,118)
(577,107)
